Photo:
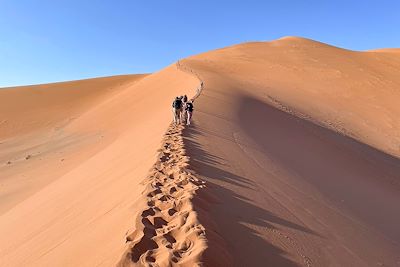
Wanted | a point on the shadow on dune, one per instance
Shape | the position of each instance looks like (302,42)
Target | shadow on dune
(340,167)
(365,180)
(256,251)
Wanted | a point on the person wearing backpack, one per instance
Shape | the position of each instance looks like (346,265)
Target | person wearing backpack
(183,113)
(176,110)
(189,111)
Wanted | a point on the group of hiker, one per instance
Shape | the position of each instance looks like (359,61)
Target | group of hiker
(182,110)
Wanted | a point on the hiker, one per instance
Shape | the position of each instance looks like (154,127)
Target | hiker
(177,109)
(183,113)
(189,111)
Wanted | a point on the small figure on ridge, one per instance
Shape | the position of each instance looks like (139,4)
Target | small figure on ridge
(189,111)
(177,109)
(183,113)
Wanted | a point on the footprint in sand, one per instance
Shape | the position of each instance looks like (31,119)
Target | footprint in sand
(167,231)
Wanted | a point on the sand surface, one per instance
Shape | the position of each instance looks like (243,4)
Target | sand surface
(293,159)
(72,202)
(167,230)
(298,143)
(33,132)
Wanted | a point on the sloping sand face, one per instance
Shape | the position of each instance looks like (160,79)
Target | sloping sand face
(298,142)
(69,191)
(33,132)
(167,231)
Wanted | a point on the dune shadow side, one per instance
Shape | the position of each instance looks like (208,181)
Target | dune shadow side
(219,226)
(337,165)
(343,169)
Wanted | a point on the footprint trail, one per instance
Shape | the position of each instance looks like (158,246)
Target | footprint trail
(167,231)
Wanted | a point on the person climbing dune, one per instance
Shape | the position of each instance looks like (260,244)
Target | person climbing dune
(189,111)
(183,113)
(177,109)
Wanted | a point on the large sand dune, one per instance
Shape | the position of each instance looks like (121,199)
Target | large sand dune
(297,141)
(73,200)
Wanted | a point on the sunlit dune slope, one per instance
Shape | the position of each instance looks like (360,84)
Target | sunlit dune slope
(27,109)
(394,51)
(298,142)
(32,130)
(356,93)
(72,158)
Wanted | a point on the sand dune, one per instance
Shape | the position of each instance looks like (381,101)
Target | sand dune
(298,143)
(293,159)
(387,50)
(80,212)
(33,131)
(30,108)
(167,230)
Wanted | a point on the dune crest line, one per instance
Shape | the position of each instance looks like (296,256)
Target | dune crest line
(167,231)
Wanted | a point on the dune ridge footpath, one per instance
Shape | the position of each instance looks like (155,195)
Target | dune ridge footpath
(292,160)
(79,216)
(297,143)
(167,230)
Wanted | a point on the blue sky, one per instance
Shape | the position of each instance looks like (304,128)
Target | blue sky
(51,40)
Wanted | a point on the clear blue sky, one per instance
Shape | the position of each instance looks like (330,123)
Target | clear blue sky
(51,40)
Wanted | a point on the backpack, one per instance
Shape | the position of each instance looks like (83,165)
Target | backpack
(189,107)
(177,103)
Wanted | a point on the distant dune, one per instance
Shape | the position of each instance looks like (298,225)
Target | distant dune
(293,159)
(387,50)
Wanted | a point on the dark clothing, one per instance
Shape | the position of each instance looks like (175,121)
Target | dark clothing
(189,107)
(177,103)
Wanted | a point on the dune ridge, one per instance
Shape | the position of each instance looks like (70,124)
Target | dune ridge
(298,144)
(292,160)
(80,214)
(167,231)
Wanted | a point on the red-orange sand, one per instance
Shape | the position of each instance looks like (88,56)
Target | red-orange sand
(298,144)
